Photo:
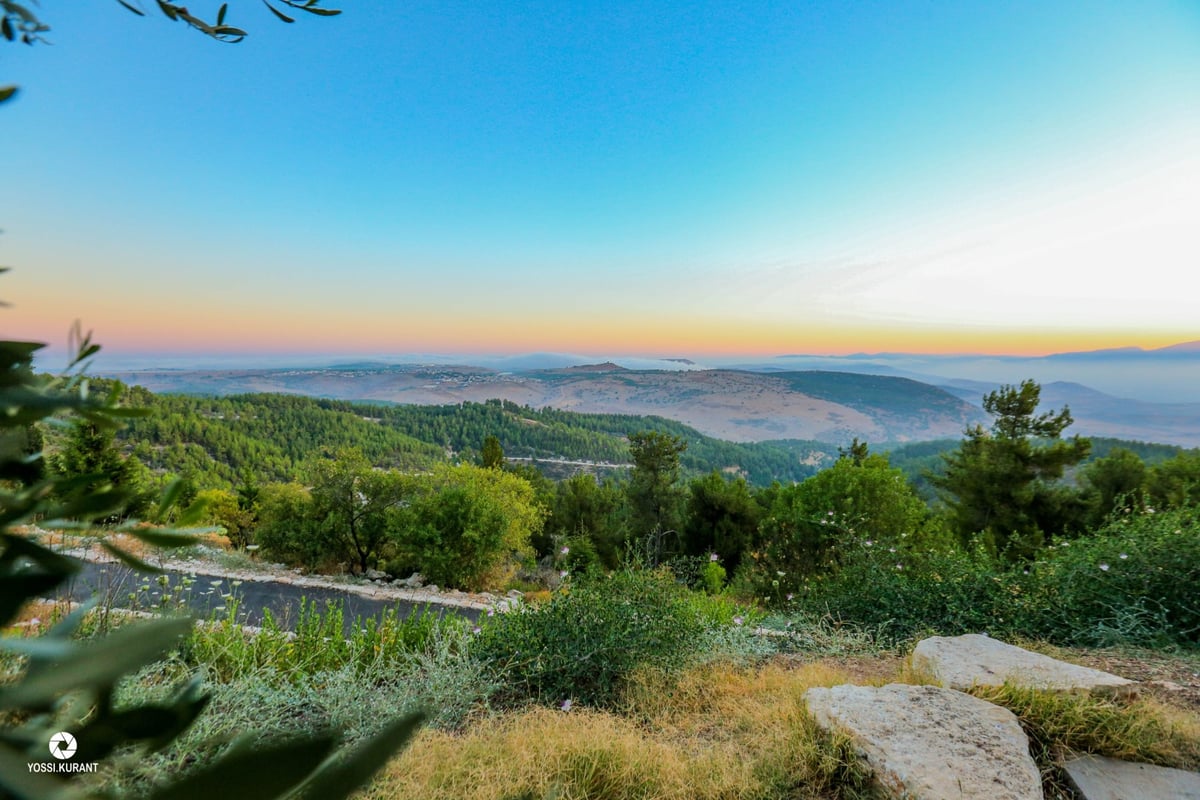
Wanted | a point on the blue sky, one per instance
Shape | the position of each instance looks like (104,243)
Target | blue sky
(640,178)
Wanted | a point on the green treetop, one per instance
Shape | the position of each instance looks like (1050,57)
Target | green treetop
(1002,482)
(656,500)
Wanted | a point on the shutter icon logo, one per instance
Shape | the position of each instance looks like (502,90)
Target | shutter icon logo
(63,745)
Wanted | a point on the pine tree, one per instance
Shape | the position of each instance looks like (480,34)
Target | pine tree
(656,500)
(90,456)
(1002,483)
(492,455)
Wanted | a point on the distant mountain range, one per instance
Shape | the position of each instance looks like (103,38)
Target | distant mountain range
(749,404)
(1163,375)
(1166,375)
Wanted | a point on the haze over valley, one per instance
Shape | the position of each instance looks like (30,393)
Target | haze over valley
(764,400)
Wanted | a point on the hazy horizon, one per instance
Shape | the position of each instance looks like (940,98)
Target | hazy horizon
(1167,376)
(123,359)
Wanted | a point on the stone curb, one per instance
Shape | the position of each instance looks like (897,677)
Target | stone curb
(453,598)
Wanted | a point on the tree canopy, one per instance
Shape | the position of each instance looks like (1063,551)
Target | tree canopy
(810,524)
(1002,483)
(655,497)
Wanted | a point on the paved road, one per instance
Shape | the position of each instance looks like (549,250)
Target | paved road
(208,593)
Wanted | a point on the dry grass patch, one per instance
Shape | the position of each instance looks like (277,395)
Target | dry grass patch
(725,732)
(1059,724)
(717,732)
(1144,730)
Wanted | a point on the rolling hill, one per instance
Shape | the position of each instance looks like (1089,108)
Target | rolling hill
(734,405)
(218,440)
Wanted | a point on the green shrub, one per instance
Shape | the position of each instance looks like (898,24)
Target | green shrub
(284,530)
(723,611)
(269,702)
(588,639)
(813,528)
(712,577)
(221,508)
(1132,582)
(577,555)
(736,644)
(908,593)
(317,643)
(469,526)
(729,629)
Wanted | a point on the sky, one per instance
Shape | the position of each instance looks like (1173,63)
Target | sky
(654,179)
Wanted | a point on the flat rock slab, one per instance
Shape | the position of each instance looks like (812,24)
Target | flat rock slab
(1098,778)
(961,662)
(930,743)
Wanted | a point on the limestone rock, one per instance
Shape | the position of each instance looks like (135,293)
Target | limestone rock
(931,743)
(414,581)
(961,662)
(1098,778)
(377,575)
(505,605)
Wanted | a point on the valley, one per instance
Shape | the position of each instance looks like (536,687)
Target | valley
(734,405)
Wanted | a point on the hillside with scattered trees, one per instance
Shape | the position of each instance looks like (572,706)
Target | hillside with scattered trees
(216,440)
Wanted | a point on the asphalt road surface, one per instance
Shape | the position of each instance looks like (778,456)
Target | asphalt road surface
(211,594)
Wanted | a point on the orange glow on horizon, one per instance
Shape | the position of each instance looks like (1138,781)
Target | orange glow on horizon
(646,343)
(200,329)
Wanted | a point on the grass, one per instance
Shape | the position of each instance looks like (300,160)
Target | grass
(823,635)
(1060,724)
(274,685)
(1143,730)
(234,560)
(315,642)
(718,731)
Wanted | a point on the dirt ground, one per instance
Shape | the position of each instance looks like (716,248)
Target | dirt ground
(1173,678)
(874,670)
